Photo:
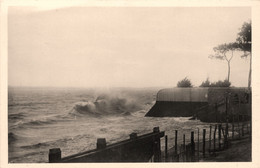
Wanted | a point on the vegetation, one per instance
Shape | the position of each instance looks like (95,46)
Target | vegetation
(219,83)
(244,37)
(245,44)
(221,54)
(205,83)
(242,43)
(184,83)
(225,52)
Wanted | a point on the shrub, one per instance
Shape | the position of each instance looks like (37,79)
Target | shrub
(184,83)
(219,83)
(206,83)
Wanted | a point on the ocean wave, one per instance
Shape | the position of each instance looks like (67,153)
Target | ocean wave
(55,143)
(10,104)
(41,122)
(106,105)
(16,116)
(30,123)
(35,146)
(140,113)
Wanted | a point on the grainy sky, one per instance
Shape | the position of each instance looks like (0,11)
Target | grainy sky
(122,46)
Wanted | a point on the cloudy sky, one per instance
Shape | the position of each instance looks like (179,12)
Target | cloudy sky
(122,46)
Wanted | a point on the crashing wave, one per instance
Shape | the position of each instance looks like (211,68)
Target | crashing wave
(106,105)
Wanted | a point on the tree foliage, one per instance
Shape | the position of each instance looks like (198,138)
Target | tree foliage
(222,49)
(244,37)
(242,43)
(221,53)
(244,40)
(184,83)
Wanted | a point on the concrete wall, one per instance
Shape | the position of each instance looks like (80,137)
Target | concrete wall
(174,109)
(201,102)
(183,95)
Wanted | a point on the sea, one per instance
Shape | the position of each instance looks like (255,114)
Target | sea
(73,118)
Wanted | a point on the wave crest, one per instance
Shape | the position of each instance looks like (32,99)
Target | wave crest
(30,123)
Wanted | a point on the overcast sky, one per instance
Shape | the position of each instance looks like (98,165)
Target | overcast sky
(122,47)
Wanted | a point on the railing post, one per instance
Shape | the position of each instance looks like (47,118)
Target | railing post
(184,141)
(233,130)
(181,152)
(175,146)
(209,138)
(219,136)
(227,128)
(156,151)
(188,153)
(214,138)
(227,119)
(243,129)
(216,111)
(184,147)
(176,142)
(192,146)
(133,135)
(101,143)
(247,130)
(233,120)
(226,136)
(156,130)
(54,155)
(198,151)
(166,148)
(238,127)
(157,146)
(204,141)
(250,128)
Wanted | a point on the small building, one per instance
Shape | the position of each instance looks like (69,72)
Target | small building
(201,101)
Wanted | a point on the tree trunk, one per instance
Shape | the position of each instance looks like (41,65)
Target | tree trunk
(250,71)
(228,71)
